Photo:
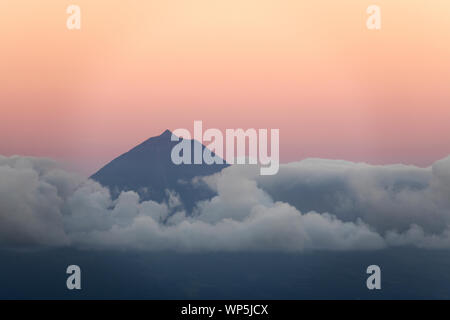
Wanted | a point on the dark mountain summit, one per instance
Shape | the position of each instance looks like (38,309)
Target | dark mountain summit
(148,170)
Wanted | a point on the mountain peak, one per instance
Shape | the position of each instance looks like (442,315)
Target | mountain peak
(166,133)
(148,169)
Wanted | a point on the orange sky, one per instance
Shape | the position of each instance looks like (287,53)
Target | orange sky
(310,68)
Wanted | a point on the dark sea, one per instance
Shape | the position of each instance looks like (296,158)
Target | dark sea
(405,274)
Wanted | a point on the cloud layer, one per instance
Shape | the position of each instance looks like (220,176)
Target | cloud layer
(309,205)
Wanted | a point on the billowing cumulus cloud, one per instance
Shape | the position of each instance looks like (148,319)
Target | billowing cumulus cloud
(388,198)
(309,205)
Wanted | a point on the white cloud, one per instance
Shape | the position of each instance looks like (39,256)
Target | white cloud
(309,205)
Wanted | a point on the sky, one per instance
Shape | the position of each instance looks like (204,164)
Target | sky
(312,69)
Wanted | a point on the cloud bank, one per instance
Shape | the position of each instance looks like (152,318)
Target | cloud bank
(309,205)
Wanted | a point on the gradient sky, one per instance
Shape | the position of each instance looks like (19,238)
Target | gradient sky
(310,68)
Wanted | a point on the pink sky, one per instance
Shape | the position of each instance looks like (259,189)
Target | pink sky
(309,68)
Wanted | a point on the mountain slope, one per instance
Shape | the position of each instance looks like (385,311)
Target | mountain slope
(149,170)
